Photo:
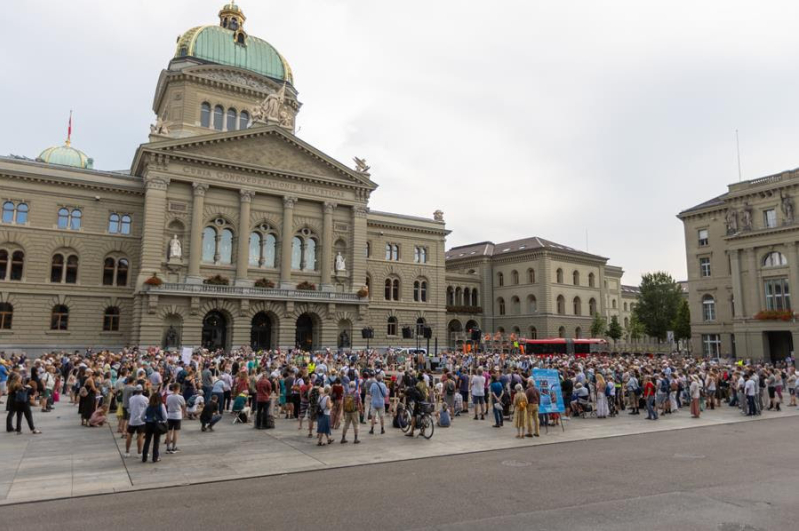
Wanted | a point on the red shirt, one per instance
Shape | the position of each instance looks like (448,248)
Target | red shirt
(264,389)
(649,389)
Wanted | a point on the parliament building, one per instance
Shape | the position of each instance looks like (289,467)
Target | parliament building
(230,230)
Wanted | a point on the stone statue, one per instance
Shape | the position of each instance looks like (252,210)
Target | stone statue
(160,127)
(746,217)
(361,166)
(438,215)
(285,118)
(273,109)
(786,204)
(175,251)
(341,264)
(732,221)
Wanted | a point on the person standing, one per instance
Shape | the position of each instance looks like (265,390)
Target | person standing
(262,400)
(477,385)
(533,400)
(695,390)
(323,416)
(750,389)
(153,415)
(175,411)
(519,410)
(378,393)
(497,393)
(649,397)
(137,405)
(352,410)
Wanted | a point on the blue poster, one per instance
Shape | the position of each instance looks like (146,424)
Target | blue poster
(548,383)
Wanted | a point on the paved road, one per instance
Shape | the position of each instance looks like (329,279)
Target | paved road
(729,478)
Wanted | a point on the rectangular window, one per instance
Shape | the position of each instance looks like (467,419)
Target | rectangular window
(770,218)
(778,295)
(703,238)
(711,345)
(704,267)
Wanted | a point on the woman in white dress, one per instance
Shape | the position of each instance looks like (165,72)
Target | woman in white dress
(602,410)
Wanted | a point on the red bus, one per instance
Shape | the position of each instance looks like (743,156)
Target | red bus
(559,345)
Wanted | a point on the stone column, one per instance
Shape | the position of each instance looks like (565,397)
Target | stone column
(285,245)
(243,254)
(753,293)
(197,222)
(737,288)
(152,249)
(327,245)
(357,258)
(793,281)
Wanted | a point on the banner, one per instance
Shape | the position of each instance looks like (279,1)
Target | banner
(185,355)
(548,383)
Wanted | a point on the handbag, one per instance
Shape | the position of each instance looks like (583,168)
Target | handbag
(162,427)
(497,406)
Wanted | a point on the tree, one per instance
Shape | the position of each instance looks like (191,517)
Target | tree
(614,330)
(658,303)
(635,330)
(682,323)
(598,325)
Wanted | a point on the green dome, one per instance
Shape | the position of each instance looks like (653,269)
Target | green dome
(215,44)
(66,155)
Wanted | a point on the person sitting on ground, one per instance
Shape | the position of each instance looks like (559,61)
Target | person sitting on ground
(99,416)
(444,420)
(210,414)
(195,404)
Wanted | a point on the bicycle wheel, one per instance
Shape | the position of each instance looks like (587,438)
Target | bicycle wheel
(404,420)
(428,426)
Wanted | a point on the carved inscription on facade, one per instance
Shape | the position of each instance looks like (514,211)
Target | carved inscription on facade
(282,186)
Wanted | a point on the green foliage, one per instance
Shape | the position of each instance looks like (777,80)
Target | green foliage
(682,323)
(598,326)
(635,330)
(658,303)
(614,330)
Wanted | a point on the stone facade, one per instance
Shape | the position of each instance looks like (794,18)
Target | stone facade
(533,288)
(741,252)
(247,201)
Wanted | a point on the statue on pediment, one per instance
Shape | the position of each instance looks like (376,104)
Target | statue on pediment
(438,215)
(786,205)
(747,217)
(160,127)
(361,166)
(731,219)
(272,108)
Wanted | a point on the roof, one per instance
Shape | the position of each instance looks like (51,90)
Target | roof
(716,201)
(630,289)
(525,244)
(66,155)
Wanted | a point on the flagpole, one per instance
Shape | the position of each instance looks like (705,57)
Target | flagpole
(69,129)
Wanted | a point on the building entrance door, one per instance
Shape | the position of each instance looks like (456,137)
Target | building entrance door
(305,332)
(214,331)
(261,332)
(780,345)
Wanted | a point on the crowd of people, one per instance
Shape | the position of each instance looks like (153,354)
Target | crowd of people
(151,392)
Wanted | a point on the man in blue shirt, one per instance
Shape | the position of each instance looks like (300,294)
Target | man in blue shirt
(3,379)
(378,392)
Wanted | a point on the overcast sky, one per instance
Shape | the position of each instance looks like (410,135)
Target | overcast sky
(516,118)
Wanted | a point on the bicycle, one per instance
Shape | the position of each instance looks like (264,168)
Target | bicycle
(424,421)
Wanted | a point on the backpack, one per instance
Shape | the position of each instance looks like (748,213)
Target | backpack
(523,402)
(664,386)
(313,398)
(192,401)
(450,388)
(22,395)
(349,404)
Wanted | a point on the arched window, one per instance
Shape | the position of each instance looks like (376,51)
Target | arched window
(613,303)
(501,306)
(388,251)
(310,254)
(395,252)
(775,259)
(6,315)
(109,267)
(578,333)
(369,286)
(219,115)
(17,264)
(467,296)
(559,276)
(244,120)
(111,319)
(500,279)
(424,291)
(625,306)
(533,333)
(420,323)
(231,119)
(8,212)
(458,296)
(531,276)
(71,275)
(57,268)
(423,255)
(296,253)
(391,328)
(420,291)
(517,331)
(474,297)
(205,114)
(226,247)
(450,296)
(708,308)
(561,332)
(63,218)
(368,249)
(532,304)
(255,249)
(395,289)
(626,323)
(576,278)
(514,277)
(122,272)
(561,305)
(591,280)
(263,247)
(209,244)
(22,214)
(515,305)
(113,223)
(592,306)
(125,228)
(577,305)
(74,219)
(59,318)
(416,287)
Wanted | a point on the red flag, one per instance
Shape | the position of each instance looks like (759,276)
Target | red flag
(69,129)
